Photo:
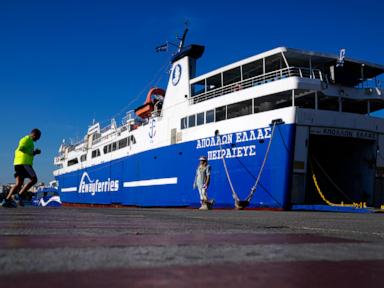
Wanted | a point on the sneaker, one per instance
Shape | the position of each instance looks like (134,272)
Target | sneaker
(9,204)
(210,204)
(203,207)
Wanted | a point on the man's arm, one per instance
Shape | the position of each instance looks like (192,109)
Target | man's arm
(36,152)
(207,180)
(208,174)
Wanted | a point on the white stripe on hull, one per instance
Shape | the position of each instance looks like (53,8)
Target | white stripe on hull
(69,189)
(151,182)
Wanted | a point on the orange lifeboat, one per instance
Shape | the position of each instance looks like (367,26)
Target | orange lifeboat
(145,110)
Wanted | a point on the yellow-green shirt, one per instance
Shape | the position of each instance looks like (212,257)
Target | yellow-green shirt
(24,152)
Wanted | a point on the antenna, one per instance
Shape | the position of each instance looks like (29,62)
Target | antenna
(182,39)
(180,46)
(362,75)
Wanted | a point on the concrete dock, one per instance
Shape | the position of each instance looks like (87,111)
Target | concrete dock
(131,247)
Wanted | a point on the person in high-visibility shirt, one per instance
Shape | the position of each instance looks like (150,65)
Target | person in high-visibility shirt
(23,162)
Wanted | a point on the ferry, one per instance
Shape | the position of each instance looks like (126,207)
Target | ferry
(282,128)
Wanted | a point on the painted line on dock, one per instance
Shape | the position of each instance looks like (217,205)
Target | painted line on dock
(151,182)
(133,240)
(69,189)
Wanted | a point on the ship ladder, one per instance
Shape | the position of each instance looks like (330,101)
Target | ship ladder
(321,194)
(241,204)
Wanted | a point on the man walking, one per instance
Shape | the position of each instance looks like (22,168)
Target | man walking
(23,162)
(202,180)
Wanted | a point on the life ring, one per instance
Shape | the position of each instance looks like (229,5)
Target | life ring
(237,87)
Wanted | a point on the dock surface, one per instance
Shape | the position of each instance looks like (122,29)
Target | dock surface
(133,247)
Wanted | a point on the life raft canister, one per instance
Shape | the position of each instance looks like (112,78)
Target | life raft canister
(145,110)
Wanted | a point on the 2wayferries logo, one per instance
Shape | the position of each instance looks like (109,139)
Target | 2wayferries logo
(87,185)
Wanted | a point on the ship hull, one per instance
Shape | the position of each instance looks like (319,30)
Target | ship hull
(164,177)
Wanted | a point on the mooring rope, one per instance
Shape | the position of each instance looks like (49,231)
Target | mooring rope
(254,187)
(322,196)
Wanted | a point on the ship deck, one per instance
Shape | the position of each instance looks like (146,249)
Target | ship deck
(129,247)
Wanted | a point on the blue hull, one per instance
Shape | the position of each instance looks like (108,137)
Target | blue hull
(179,162)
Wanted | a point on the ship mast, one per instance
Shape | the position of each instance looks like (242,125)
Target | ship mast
(182,39)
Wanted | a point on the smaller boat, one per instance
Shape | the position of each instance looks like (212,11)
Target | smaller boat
(46,197)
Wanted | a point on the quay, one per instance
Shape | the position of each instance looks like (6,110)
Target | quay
(131,247)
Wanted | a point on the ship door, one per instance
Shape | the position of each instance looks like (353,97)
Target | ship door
(344,169)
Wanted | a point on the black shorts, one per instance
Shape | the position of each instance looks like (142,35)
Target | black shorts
(24,171)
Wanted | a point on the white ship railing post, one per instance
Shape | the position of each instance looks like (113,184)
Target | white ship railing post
(310,67)
(293,97)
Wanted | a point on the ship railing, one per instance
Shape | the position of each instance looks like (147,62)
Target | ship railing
(259,80)
(106,128)
(156,114)
(59,159)
(98,140)
(73,146)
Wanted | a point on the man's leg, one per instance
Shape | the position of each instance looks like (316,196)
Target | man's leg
(200,193)
(204,194)
(16,188)
(208,203)
(8,202)
(203,199)
(32,182)
(31,175)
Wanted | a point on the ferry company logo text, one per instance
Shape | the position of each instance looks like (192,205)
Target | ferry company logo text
(233,138)
(94,186)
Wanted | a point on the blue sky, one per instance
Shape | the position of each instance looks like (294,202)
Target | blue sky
(63,63)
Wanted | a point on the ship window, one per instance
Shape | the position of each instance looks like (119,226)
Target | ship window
(83,158)
(239,109)
(274,63)
(328,103)
(262,104)
(271,102)
(220,113)
(375,105)
(253,69)
(107,148)
(183,123)
(355,106)
(198,88)
(210,116)
(123,143)
(304,100)
(114,146)
(73,161)
(95,153)
(192,121)
(231,76)
(132,140)
(96,136)
(282,100)
(214,82)
(200,118)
